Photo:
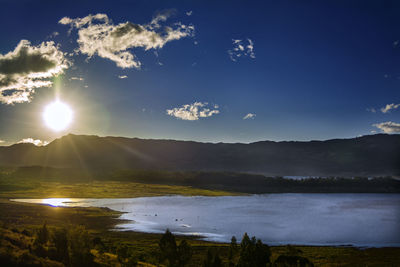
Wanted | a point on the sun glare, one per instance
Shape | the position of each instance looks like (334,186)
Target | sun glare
(57,115)
(55,202)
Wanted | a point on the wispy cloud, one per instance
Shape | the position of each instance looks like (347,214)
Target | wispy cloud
(241,49)
(388,127)
(372,110)
(36,142)
(2,141)
(389,107)
(77,78)
(193,112)
(122,76)
(27,68)
(99,36)
(189,13)
(249,116)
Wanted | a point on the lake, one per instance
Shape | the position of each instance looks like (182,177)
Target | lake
(277,219)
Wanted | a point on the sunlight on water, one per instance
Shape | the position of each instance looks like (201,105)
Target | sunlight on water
(55,202)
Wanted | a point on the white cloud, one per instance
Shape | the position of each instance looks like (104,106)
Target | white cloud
(99,36)
(36,142)
(372,110)
(54,34)
(27,68)
(241,49)
(389,107)
(193,112)
(249,116)
(388,127)
(77,78)
(122,76)
(189,13)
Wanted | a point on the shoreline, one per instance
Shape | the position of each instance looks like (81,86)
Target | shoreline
(120,222)
(98,221)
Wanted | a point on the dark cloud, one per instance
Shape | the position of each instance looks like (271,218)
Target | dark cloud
(29,67)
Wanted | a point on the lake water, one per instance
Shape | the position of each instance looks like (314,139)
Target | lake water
(307,219)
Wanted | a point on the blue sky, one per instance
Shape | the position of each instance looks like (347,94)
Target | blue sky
(311,70)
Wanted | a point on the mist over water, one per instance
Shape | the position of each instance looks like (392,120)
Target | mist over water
(308,219)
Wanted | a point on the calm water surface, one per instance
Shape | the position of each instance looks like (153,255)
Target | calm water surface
(308,219)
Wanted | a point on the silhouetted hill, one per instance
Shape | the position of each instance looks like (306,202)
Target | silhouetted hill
(363,156)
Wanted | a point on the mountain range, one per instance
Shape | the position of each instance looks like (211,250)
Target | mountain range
(372,155)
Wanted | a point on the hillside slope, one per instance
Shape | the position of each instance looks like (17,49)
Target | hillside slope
(364,156)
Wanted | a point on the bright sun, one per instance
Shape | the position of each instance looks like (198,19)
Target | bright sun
(57,115)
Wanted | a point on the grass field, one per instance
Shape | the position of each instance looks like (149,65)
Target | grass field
(97,189)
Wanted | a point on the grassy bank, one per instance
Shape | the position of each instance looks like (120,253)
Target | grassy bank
(97,189)
(188,182)
(17,217)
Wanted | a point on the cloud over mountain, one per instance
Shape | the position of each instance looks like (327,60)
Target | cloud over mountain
(193,112)
(99,36)
(36,142)
(388,127)
(27,68)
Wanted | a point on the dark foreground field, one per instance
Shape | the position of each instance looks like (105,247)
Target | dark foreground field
(21,223)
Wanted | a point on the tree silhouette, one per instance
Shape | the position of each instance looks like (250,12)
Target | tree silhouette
(184,253)
(60,240)
(42,235)
(233,248)
(171,253)
(168,249)
(79,247)
(122,253)
(212,259)
(253,253)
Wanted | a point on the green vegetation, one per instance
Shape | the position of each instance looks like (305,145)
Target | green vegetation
(98,189)
(55,182)
(54,236)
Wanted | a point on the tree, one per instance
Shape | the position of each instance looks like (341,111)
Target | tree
(122,253)
(79,247)
(232,250)
(212,259)
(184,253)
(253,253)
(262,254)
(42,235)
(168,249)
(246,252)
(60,240)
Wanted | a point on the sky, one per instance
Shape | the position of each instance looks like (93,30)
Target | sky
(210,71)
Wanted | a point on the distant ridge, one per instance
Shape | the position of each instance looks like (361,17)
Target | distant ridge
(370,155)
